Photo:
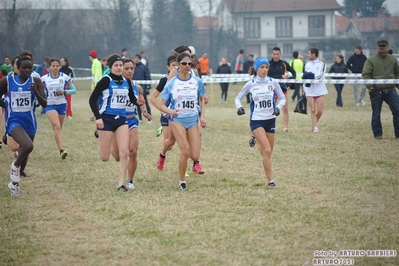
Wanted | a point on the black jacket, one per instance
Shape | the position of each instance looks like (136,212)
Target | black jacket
(277,69)
(223,69)
(141,72)
(247,65)
(356,62)
(338,68)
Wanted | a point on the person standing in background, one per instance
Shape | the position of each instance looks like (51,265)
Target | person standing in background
(6,66)
(96,71)
(66,69)
(239,67)
(123,53)
(224,68)
(143,59)
(339,67)
(355,64)
(204,64)
(298,65)
(141,72)
(382,66)
(247,65)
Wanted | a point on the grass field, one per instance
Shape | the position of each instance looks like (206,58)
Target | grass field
(337,190)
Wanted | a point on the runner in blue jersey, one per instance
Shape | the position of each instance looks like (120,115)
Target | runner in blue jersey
(22,90)
(55,84)
(184,91)
(133,122)
(108,104)
(263,111)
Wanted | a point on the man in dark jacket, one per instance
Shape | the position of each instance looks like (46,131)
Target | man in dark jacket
(279,69)
(141,72)
(355,64)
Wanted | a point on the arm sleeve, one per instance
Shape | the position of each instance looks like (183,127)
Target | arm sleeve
(72,89)
(349,63)
(244,91)
(321,70)
(280,94)
(161,84)
(132,96)
(367,72)
(291,69)
(101,85)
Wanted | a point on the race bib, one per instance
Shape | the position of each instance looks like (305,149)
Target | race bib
(21,101)
(119,98)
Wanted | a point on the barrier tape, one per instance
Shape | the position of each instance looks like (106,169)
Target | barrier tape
(210,79)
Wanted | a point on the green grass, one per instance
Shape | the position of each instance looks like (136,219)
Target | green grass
(337,190)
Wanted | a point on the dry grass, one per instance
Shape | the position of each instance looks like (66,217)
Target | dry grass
(337,190)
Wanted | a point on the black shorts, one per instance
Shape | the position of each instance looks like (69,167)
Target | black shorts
(112,122)
(268,125)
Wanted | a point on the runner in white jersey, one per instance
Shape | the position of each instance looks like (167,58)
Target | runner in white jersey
(21,122)
(184,92)
(263,111)
(55,84)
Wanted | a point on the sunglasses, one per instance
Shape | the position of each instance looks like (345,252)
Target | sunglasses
(186,63)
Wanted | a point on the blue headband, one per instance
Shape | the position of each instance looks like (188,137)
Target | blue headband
(260,61)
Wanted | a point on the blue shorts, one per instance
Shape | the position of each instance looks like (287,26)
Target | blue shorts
(112,122)
(164,121)
(187,122)
(268,125)
(132,122)
(60,108)
(27,124)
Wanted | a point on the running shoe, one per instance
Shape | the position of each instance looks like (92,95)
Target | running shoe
(23,174)
(315,130)
(63,154)
(160,162)
(122,188)
(15,191)
(15,174)
(272,185)
(197,169)
(96,133)
(159,131)
(130,184)
(285,130)
(183,185)
(252,141)
(186,174)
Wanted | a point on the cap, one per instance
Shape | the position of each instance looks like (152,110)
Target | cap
(192,49)
(382,42)
(251,55)
(93,53)
(260,61)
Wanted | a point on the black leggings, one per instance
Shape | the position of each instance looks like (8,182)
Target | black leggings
(224,87)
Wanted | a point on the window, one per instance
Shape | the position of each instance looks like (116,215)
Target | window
(284,27)
(316,26)
(251,27)
(287,49)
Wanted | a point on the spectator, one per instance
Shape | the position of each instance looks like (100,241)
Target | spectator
(298,65)
(6,66)
(382,66)
(247,65)
(66,69)
(355,64)
(143,59)
(104,66)
(339,67)
(204,64)
(239,67)
(123,53)
(224,68)
(43,68)
(96,71)
(141,72)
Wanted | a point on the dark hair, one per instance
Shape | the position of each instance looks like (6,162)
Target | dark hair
(180,50)
(66,61)
(138,56)
(295,54)
(14,59)
(170,60)
(22,58)
(111,55)
(7,57)
(276,49)
(124,50)
(181,56)
(128,60)
(340,56)
(53,60)
(241,51)
(390,51)
(252,71)
(314,51)
(26,53)
(358,47)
